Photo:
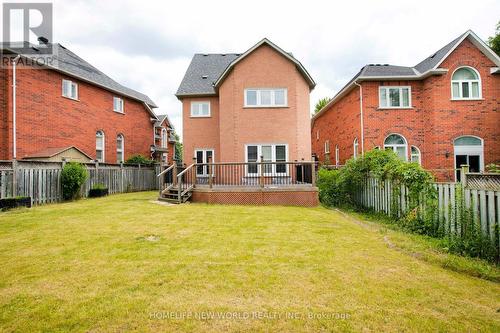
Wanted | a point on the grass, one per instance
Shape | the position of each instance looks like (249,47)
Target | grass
(124,263)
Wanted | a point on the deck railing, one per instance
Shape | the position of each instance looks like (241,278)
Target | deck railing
(238,174)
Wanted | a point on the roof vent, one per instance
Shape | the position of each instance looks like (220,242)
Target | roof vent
(205,55)
(432,56)
(223,54)
(42,40)
(204,77)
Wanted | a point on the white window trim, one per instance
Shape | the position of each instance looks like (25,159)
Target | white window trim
(121,149)
(469,150)
(103,146)
(259,105)
(460,92)
(198,103)
(71,84)
(204,161)
(122,104)
(386,88)
(337,155)
(164,138)
(273,159)
(394,146)
(355,148)
(327,146)
(419,155)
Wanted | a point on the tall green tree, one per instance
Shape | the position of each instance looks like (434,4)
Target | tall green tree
(321,103)
(495,41)
(178,148)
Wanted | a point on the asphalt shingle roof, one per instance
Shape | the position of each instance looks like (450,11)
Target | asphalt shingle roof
(386,70)
(435,58)
(202,73)
(69,62)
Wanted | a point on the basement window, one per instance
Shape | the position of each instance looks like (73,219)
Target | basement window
(70,89)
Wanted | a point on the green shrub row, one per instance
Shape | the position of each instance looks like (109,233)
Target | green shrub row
(339,188)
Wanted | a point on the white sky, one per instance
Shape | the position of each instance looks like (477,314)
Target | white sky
(147,45)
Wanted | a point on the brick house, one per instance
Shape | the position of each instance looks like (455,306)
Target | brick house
(70,103)
(442,113)
(164,139)
(239,107)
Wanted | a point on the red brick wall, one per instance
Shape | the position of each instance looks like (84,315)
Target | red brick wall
(433,122)
(3,114)
(45,119)
(340,124)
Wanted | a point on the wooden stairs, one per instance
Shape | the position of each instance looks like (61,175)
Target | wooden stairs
(171,195)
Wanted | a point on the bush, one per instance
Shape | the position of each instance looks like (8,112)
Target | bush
(73,176)
(139,159)
(331,192)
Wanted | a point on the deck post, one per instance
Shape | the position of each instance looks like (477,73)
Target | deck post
(261,171)
(161,184)
(174,175)
(313,172)
(193,173)
(209,167)
(463,174)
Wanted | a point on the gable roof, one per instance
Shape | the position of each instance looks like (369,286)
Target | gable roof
(429,66)
(51,152)
(161,120)
(70,64)
(207,71)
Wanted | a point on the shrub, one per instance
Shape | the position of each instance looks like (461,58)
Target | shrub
(139,159)
(330,190)
(73,176)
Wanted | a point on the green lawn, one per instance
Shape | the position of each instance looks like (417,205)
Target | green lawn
(93,265)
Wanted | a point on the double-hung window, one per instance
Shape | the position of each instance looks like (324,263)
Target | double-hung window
(394,97)
(99,146)
(120,147)
(272,153)
(263,97)
(200,109)
(327,147)
(118,104)
(70,89)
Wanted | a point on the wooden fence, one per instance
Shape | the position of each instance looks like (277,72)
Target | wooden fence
(453,200)
(42,180)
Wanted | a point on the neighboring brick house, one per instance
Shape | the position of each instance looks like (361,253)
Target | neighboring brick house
(239,107)
(71,103)
(442,113)
(164,138)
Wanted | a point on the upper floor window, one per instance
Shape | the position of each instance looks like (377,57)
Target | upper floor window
(465,84)
(265,97)
(337,155)
(99,146)
(200,109)
(397,143)
(355,146)
(120,147)
(395,97)
(327,147)
(70,89)
(317,135)
(117,104)
(164,138)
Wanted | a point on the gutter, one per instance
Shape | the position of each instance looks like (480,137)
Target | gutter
(14,85)
(362,119)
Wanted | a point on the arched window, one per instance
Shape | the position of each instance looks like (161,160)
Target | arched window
(415,155)
(337,155)
(355,147)
(99,146)
(120,148)
(468,151)
(465,84)
(164,138)
(397,143)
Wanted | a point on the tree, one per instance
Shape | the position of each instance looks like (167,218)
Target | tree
(178,148)
(495,41)
(321,104)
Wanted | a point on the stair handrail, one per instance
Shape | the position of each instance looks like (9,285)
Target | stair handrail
(166,170)
(179,181)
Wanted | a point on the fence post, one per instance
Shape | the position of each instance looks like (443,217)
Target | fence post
(463,174)
(122,176)
(261,171)
(209,169)
(14,178)
(313,172)
(193,173)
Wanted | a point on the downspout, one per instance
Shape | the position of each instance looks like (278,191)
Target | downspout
(362,119)
(14,85)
